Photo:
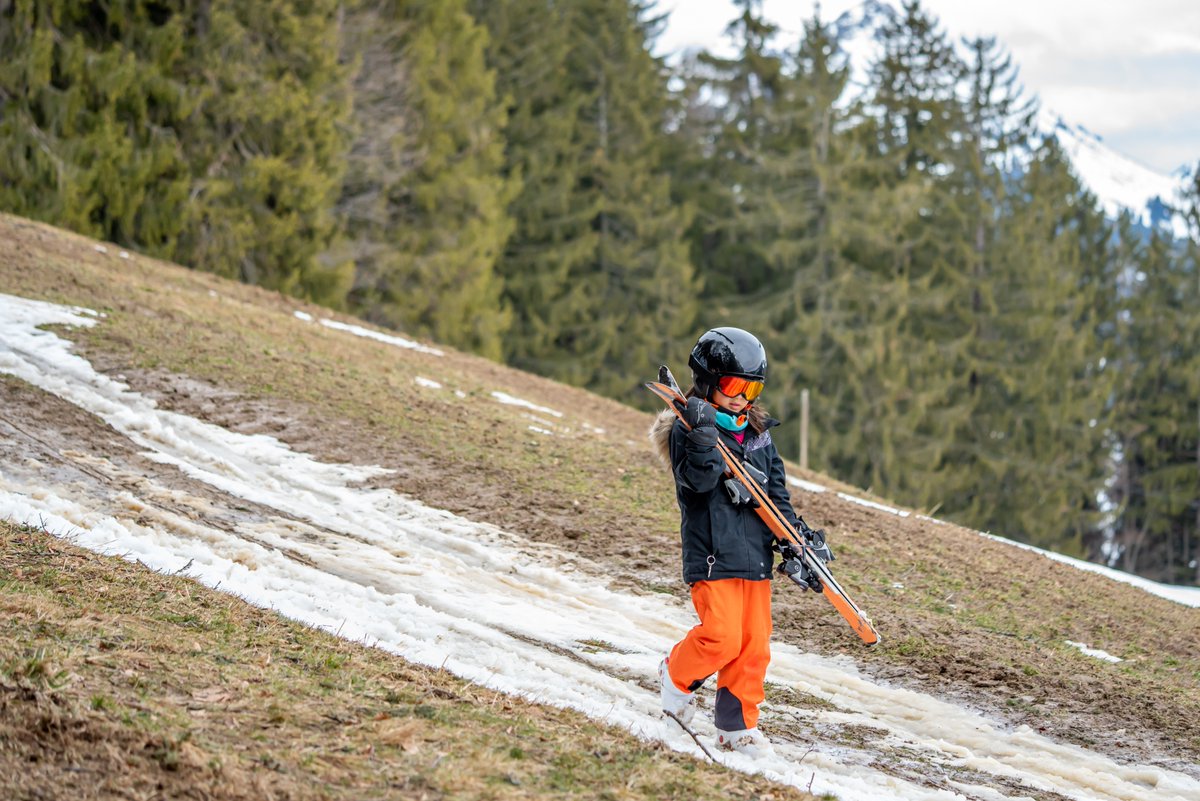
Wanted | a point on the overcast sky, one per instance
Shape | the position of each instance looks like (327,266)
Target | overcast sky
(1128,70)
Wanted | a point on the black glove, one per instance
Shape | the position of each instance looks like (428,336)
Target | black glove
(699,414)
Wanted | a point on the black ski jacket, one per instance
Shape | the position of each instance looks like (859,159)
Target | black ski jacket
(720,539)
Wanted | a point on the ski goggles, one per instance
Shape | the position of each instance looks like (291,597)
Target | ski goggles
(733,386)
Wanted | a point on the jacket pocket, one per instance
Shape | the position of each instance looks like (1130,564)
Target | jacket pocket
(728,535)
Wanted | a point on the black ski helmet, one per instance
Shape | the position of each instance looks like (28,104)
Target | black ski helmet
(726,351)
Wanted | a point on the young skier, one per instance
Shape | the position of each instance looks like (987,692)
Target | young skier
(728,551)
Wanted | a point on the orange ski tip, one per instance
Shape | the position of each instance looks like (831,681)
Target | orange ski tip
(858,621)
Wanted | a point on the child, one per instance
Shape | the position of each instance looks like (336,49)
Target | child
(728,550)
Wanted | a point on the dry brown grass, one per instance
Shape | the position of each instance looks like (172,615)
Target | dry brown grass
(119,682)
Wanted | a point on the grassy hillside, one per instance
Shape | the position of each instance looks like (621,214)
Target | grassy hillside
(961,615)
(116,681)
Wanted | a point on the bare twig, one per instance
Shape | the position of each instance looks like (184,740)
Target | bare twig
(690,732)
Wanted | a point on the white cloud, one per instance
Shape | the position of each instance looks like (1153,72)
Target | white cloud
(1113,111)
(1124,70)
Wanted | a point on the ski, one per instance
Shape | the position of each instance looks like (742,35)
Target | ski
(792,542)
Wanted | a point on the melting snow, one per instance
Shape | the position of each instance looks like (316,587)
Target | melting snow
(520,617)
(1188,596)
(807,486)
(1096,652)
(399,342)
(873,505)
(426,382)
(514,401)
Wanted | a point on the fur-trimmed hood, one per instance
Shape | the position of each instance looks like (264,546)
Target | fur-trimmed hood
(660,435)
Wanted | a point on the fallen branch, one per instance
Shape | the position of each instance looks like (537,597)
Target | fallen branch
(693,735)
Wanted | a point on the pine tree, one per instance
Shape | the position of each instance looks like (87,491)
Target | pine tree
(547,146)
(640,277)
(209,133)
(744,157)
(998,267)
(1038,443)
(812,307)
(91,104)
(915,328)
(598,269)
(267,144)
(915,84)
(1191,301)
(1155,417)
(426,198)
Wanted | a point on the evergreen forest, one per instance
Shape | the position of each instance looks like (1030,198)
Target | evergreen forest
(527,180)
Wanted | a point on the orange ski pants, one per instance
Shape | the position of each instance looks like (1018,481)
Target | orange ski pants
(733,641)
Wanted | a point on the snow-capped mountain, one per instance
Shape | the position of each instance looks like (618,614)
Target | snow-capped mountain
(1118,182)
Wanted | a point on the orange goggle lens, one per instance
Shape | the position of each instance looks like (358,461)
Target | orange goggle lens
(734,386)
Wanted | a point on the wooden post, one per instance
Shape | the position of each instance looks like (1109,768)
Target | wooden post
(804,429)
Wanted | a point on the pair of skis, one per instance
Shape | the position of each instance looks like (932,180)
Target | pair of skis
(792,543)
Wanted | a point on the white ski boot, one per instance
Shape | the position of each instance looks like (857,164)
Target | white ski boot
(674,700)
(751,742)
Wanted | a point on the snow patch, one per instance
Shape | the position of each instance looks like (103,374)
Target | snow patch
(512,400)
(1096,652)
(1188,596)
(303,315)
(873,505)
(426,382)
(399,342)
(807,486)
